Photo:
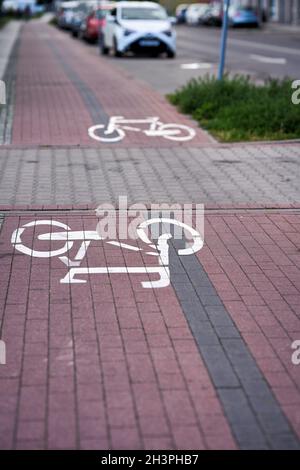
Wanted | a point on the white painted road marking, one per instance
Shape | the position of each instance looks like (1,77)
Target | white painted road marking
(268,60)
(196,66)
(117,125)
(86,237)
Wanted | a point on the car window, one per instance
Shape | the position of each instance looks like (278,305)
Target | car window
(100,14)
(139,13)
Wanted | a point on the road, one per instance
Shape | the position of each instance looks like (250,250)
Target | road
(258,53)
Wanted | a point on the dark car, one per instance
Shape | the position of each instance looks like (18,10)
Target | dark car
(181,13)
(213,16)
(78,18)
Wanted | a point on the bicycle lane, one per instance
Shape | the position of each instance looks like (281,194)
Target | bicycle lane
(111,364)
(104,364)
(94,90)
(59,360)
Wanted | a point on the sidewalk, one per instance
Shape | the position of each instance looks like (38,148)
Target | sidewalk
(109,363)
(253,174)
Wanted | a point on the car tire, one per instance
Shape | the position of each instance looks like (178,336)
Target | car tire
(104,49)
(116,52)
(171,55)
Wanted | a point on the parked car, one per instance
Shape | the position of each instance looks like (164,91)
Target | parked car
(80,14)
(213,16)
(243,16)
(195,11)
(95,21)
(180,13)
(21,6)
(138,27)
(65,14)
(78,17)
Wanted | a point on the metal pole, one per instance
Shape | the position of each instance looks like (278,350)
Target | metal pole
(223,40)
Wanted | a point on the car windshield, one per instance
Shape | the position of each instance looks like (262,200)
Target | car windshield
(100,14)
(198,7)
(132,13)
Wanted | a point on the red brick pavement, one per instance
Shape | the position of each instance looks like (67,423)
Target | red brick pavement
(60,85)
(106,364)
(253,261)
(45,99)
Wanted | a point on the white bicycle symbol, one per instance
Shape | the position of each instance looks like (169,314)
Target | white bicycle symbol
(161,250)
(115,129)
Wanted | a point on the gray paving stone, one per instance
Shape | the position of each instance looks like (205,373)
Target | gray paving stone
(284,442)
(273,420)
(221,370)
(173,175)
(237,407)
(250,437)
(195,311)
(227,331)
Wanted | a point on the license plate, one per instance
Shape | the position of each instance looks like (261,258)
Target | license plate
(149,42)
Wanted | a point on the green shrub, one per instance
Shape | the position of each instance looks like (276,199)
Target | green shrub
(236,109)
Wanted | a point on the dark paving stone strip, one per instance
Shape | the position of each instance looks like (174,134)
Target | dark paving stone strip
(252,410)
(89,98)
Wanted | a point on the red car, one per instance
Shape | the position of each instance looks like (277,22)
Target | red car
(95,22)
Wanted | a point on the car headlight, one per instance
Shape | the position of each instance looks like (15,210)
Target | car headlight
(167,32)
(127,32)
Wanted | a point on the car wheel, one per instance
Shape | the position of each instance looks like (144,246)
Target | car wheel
(116,52)
(104,49)
(171,54)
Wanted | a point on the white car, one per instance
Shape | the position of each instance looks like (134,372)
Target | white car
(65,13)
(195,11)
(138,27)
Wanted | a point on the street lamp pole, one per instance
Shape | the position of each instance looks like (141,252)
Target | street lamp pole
(224,39)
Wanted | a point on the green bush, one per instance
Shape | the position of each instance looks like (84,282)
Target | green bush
(236,109)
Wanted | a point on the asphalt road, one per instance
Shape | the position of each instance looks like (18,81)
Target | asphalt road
(258,53)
